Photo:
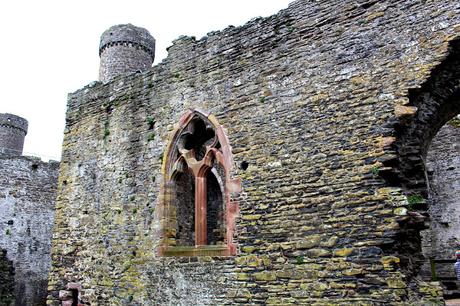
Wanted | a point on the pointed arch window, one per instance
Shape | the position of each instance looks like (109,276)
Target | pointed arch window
(199,210)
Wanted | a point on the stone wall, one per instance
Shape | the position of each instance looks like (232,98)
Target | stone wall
(6,279)
(442,239)
(305,97)
(27,196)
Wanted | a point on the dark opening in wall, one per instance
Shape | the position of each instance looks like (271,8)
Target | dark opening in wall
(214,210)
(198,138)
(109,109)
(244,165)
(6,279)
(74,297)
(184,203)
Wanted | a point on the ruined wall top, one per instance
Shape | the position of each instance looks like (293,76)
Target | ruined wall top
(13,129)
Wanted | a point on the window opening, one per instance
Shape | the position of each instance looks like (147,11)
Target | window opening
(199,209)
(74,297)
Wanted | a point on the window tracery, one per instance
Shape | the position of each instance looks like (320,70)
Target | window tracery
(199,210)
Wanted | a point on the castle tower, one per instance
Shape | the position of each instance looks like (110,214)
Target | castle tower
(125,48)
(13,129)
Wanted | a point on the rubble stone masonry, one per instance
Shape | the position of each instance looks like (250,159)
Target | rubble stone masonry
(27,196)
(308,99)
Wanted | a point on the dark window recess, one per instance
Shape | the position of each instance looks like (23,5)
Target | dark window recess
(74,297)
(214,210)
(197,201)
(197,145)
(184,202)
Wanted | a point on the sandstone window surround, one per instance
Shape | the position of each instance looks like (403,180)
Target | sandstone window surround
(198,193)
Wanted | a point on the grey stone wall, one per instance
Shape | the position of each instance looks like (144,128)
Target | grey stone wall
(13,129)
(125,49)
(305,97)
(442,239)
(27,197)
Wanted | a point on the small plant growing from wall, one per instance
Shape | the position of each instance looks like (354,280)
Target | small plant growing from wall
(455,122)
(415,199)
(375,171)
(106,130)
(150,122)
(299,260)
(151,137)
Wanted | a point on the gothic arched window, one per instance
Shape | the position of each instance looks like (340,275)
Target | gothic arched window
(199,212)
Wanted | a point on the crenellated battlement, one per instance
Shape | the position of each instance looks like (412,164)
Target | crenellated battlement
(124,49)
(127,44)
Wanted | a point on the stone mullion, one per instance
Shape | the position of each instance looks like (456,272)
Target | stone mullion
(200,211)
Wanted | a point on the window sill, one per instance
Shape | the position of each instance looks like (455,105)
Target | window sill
(205,250)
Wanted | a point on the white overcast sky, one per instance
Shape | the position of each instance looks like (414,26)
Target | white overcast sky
(50,48)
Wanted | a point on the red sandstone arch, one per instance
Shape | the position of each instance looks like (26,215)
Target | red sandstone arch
(172,163)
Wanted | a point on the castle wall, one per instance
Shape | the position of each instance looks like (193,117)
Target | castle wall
(442,239)
(27,195)
(304,96)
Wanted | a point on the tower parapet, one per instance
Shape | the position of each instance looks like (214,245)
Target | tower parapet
(13,129)
(125,48)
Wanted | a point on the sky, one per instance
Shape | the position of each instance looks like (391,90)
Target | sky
(49,48)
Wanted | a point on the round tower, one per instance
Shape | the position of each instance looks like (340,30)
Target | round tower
(13,129)
(125,48)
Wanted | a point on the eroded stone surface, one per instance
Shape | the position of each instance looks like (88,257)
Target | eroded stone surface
(442,239)
(305,97)
(27,196)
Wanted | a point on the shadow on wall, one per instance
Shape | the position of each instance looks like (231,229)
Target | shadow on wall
(430,107)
